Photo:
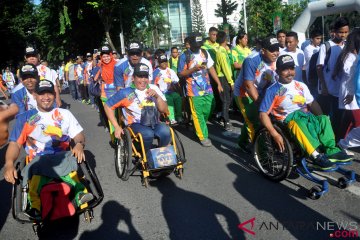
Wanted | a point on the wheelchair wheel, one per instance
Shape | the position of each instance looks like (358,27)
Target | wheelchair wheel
(180,148)
(272,163)
(123,155)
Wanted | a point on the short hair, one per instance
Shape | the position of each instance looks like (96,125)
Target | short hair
(187,40)
(221,37)
(173,48)
(240,36)
(213,29)
(159,52)
(315,33)
(292,34)
(280,31)
(340,22)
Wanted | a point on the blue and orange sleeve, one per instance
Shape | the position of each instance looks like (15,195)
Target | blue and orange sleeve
(267,102)
(119,99)
(22,129)
(182,63)
(118,75)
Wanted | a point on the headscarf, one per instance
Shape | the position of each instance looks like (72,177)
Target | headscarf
(107,70)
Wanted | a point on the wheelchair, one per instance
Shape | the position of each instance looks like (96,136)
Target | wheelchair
(130,156)
(277,166)
(58,191)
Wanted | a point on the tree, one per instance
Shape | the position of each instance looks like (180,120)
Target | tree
(198,24)
(225,9)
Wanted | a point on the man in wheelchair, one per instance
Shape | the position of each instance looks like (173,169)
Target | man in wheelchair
(289,101)
(45,133)
(141,104)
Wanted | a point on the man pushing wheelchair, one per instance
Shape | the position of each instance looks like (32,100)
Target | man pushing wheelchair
(290,102)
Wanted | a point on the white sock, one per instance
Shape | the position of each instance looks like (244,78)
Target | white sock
(315,154)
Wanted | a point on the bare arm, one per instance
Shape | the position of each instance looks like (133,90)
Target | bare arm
(251,90)
(237,65)
(78,149)
(315,108)
(320,73)
(9,112)
(216,78)
(112,118)
(187,72)
(12,153)
(265,120)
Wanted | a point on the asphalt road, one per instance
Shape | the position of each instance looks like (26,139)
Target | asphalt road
(220,189)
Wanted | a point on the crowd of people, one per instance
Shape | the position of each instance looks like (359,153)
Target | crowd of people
(312,90)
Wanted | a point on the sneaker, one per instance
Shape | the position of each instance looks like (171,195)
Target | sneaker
(206,142)
(323,162)
(345,150)
(83,101)
(88,102)
(173,122)
(227,126)
(340,157)
(85,197)
(33,214)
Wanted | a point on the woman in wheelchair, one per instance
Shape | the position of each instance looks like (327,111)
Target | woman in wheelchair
(141,104)
(46,133)
(288,101)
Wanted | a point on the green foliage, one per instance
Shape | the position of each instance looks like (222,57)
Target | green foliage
(198,24)
(226,8)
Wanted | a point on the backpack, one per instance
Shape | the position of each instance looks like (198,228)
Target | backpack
(313,77)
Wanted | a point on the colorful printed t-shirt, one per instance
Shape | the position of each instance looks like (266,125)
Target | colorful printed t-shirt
(107,90)
(132,100)
(164,79)
(282,99)
(45,73)
(123,73)
(198,83)
(45,132)
(24,100)
(255,69)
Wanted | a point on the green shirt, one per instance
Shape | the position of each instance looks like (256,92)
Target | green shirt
(174,63)
(211,48)
(239,54)
(223,65)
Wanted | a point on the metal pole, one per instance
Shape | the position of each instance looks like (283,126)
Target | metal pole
(181,29)
(245,17)
(121,36)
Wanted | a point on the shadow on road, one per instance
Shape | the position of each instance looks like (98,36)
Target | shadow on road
(279,201)
(112,214)
(191,215)
(5,187)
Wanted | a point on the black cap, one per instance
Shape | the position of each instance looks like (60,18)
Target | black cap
(28,70)
(88,55)
(30,51)
(271,44)
(285,62)
(135,47)
(44,86)
(105,50)
(196,40)
(141,70)
(162,58)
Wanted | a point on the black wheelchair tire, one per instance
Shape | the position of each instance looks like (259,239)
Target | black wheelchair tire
(180,147)
(123,156)
(266,166)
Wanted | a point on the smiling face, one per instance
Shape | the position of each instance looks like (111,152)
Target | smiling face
(270,57)
(286,75)
(141,82)
(29,82)
(105,58)
(45,101)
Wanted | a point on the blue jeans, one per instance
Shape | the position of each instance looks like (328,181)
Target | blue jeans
(161,130)
(73,90)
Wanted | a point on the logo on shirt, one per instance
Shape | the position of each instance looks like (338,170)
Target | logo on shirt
(34,119)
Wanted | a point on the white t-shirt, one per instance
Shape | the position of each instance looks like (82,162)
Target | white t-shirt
(347,84)
(31,104)
(299,59)
(164,78)
(54,76)
(308,52)
(332,85)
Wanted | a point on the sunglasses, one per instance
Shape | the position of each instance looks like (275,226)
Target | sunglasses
(135,54)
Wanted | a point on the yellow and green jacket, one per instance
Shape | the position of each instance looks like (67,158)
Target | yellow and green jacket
(223,65)
(211,48)
(239,54)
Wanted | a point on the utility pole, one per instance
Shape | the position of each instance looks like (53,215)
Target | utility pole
(245,17)
(121,36)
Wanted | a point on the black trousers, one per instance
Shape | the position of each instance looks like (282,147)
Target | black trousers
(225,97)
